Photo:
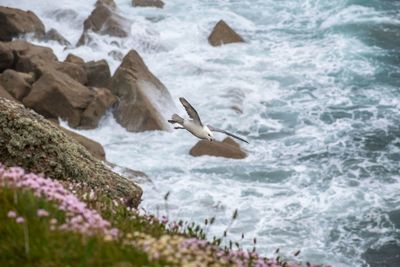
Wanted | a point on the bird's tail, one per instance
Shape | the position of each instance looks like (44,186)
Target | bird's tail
(176,119)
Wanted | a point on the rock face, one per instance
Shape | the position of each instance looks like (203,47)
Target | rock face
(54,35)
(55,94)
(15,22)
(30,141)
(144,102)
(148,3)
(223,34)
(18,84)
(103,20)
(228,148)
(103,100)
(98,73)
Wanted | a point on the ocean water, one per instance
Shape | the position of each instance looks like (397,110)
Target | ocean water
(318,84)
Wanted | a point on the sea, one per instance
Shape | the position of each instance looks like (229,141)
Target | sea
(315,91)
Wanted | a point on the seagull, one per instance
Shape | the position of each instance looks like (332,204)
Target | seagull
(195,126)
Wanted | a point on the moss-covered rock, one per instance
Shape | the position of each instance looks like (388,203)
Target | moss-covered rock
(30,141)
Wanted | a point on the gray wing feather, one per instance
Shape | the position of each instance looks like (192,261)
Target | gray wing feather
(225,132)
(191,111)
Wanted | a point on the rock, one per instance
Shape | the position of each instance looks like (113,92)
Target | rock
(71,58)
(6,57)
(75,71)
(144,102)
(148,3)
(16,83)
(56,94)
(30,141)
(102,101)
(110,3)
(117,55)
(15,22)
(103,20)
(98,73)
(223,34)
(228,148)
(29,57)
(54,35)
(136,176)
(95,148)
(5,94)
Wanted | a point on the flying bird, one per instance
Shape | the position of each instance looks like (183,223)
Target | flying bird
(195,126)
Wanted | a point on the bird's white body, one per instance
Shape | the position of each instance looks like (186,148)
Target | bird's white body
(197,130)
(195,126)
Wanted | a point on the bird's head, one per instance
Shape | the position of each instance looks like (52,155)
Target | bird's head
(210,136)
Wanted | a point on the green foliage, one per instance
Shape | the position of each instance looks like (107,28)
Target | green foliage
(48,246)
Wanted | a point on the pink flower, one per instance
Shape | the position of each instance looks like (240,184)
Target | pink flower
(11,214)
(20,220)
(42,213)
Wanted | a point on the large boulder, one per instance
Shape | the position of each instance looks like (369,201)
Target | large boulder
(75,71)
(6,57)
(30,141)
(148,3)
(15,22)
(105,21)
(29,57)
(18,84)
(144,102)
(56,94)
(103,100)
(228,148)
(223,34)
(98,73)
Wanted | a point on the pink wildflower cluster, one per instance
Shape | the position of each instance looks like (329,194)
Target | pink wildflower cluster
(79,218)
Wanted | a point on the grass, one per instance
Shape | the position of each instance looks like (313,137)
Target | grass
(47,247)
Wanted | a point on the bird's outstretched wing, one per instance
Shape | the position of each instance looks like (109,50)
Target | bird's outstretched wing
(191,111)
(225,132)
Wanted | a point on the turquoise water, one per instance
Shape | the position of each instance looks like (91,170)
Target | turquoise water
(318,83)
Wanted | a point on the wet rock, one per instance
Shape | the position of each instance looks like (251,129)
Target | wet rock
(6,57)
(56,94)
(18,84)
(103,20)
(117,55)
(5,94)
(110,3)
(30,141)
(15,22)
(54,35)
(223,34)
(71,58)
(136,176)
(103,100)
(75,71)
(98,73)
(144,102)
(148,3)
(228,148)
